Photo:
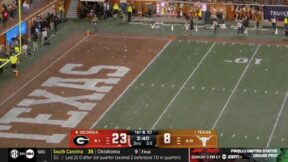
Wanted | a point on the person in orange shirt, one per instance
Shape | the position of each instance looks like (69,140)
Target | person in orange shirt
(178,10)
(186,12)
(258,19)
(145,10)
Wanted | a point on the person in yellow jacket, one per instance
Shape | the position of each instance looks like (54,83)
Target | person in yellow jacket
(200,14)
(115,10)
(129,11)
(286,26)
(2,60)
(61,10)
(16,49)
(14,61)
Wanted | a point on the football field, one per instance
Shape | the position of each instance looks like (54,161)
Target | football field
(240,90)
(168,81)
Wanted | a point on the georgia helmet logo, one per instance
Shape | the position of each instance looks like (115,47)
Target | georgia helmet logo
(81,140)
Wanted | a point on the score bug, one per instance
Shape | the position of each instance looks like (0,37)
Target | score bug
(119,138)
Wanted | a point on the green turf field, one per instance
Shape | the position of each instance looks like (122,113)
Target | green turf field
(238,90)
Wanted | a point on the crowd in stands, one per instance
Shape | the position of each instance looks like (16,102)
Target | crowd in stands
(40,30)
(8,9)
(107,9)
(89,9)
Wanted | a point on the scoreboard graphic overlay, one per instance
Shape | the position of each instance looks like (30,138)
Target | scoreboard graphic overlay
(143,138)
(142,145)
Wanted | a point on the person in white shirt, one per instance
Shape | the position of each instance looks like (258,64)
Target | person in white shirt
(274,22)
(25,50)
(240,27)
(44,36)
(26,5)
(94,23)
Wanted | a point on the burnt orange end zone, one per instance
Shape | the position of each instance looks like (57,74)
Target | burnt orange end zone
(71,87)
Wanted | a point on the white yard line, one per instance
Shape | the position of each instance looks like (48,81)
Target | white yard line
(129,37)
(135,79)
(277,120)
(236,86)
(44,70)
(181,88)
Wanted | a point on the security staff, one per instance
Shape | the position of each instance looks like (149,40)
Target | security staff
(115,9)
(61,10)
(286,26)
(2,60)
(13,60)
(129,10)
(200,14)
(16,49)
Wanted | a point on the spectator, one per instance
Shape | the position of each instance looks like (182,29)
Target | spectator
(25,50)
(34,42)
(1,17)
(56,20)
(108,10)
(258,19)
(26,5)
(94,23)
(5,16)
(44,37)
(274,22)
(12,10)
(240,27)
(52,24)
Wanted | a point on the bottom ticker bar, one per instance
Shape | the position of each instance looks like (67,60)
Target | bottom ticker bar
(141,154)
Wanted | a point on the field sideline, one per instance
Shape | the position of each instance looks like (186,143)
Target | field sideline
(238,90)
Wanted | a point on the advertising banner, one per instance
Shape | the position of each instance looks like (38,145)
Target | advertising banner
(279,11)
(14,32)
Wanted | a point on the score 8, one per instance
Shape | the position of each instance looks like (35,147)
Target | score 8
(119,138)
(167,138)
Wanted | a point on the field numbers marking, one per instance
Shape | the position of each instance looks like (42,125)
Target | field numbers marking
(257,61)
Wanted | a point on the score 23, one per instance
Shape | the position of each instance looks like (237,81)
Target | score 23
(119,138)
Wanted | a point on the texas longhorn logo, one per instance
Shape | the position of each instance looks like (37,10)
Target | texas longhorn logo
(204,140)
